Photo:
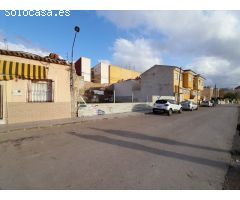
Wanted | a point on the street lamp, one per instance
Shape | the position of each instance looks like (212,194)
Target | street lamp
(73,106)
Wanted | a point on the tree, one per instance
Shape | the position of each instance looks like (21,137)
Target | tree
(231,96)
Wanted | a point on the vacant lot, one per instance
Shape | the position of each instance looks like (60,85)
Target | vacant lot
(146,151)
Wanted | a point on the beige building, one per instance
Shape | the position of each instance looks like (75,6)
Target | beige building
(33,88)
(162,80)
(209,92)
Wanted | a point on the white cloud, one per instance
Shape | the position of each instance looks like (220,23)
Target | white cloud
(217,70)
(209,38)
(104,61)
(21,47)
(138,54)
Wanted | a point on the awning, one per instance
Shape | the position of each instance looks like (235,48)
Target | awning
(10,70)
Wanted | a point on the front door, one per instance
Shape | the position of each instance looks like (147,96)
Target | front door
(1,102)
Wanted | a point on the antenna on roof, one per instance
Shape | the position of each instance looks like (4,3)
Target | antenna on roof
(5,43)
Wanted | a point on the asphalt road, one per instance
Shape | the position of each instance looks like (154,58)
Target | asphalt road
(146,151)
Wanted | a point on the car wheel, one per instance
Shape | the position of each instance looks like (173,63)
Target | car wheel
(180,111)
(154,112)
(170,112)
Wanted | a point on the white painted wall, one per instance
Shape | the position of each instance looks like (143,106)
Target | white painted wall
(111,108)
(104,73)
(157,81)
(86,68)
(125,88)
(101,73)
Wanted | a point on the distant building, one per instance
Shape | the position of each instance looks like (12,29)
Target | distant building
(100,73)
(83,68)
(164,80)
(106,73)
(210,93)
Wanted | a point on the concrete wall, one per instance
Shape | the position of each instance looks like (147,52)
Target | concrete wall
(157,81)
(111,108)
(18,109)
(26,112)
(125,88)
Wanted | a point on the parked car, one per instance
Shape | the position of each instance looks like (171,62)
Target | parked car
(189,105)
(166,106)
(207,104)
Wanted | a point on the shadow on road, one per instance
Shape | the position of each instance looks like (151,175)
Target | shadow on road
(130,134)
(140,147)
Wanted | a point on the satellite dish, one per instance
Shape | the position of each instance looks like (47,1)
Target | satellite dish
(77,29)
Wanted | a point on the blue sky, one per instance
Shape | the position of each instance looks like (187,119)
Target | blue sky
(56,34)
(205,41)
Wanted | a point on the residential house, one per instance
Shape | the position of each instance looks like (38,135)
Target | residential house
(160,80)
(33,88)
(209,93)
(193,84)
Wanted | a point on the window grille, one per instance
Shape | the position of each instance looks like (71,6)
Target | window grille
(41,91)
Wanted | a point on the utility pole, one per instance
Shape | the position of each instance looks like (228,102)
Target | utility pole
(72,75)
(179,81)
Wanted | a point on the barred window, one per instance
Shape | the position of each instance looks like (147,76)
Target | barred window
(40,91)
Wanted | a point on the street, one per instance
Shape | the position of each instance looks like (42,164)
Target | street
(145,151)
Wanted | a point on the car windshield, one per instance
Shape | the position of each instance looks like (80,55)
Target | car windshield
(186,102)
(162,101)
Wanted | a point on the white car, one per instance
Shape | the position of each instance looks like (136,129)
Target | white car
(166,106)
(207,104)
(189,105)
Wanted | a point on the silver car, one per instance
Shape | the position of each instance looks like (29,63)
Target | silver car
(189,105)
(207,104)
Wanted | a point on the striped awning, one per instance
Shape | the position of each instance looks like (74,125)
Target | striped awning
(10,70)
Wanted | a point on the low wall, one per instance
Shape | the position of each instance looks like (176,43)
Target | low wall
(111,108)
(28,112)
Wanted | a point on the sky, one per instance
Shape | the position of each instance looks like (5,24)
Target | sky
(207,42)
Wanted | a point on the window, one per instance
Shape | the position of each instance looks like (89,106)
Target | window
(190,79)
(40,91)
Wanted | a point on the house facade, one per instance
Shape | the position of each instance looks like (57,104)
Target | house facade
(33,88)
(160,80)
(164,80)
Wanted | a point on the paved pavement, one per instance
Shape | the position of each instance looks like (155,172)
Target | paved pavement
(144,151)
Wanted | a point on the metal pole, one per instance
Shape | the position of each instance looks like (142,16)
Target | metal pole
(179,85)
(113,96)
(73,103)
(132,97)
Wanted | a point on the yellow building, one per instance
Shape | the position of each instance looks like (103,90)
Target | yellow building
(117,74)
(33,88)
(109,74)
(194,84)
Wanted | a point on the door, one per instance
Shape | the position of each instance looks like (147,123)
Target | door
(1,102)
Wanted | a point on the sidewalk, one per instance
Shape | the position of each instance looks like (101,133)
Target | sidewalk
(7,128)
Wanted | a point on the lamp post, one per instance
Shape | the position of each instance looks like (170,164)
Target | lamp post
(73,103)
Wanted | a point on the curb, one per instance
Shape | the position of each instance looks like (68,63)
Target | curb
(79,120)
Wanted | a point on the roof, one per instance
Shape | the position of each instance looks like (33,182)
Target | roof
(237,88)
(31,56)
(166,66)
(189,70)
